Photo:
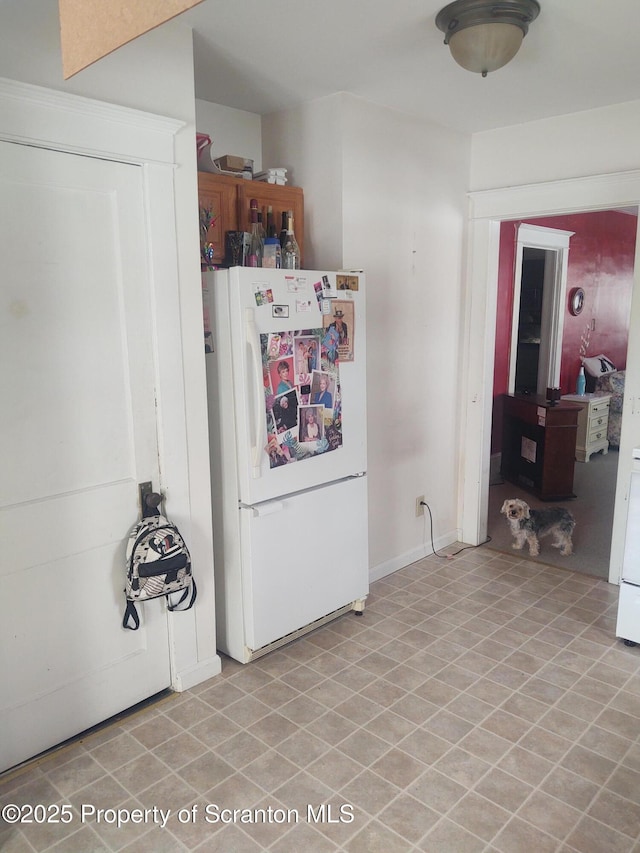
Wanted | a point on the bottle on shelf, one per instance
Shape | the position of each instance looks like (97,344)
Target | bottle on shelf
(283,228)
(271,224)
(581,383)
(256,242)
(272,253)
(290,250)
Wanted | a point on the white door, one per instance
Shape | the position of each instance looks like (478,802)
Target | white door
(78,433)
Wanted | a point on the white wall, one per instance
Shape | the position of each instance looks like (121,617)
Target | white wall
(593,142)
(154,73)
(405,228)
(232,131)
(307,141)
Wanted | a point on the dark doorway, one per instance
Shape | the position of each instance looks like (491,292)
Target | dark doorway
(530,320)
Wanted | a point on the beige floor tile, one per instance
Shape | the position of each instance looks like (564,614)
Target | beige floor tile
(84,770)
(503,789)
(334,769)
(479,816)
(369,792)
(408,817)
(205,772)
(591,836)
(376,838)
(585,762)
(120,750)
(550,815)
(179,750)
(480,705)
(618,812)
(518,836)
(525,765)
(462,767)
(449,837)
(437,791)
(570,788)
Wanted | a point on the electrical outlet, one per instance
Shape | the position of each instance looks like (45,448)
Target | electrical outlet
(419,507)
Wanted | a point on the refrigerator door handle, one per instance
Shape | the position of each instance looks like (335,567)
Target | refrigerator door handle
(259,426)
(267,508)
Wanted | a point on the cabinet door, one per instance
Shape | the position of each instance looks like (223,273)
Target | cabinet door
(280,198)
(218,203)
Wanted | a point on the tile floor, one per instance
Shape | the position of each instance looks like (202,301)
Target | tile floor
(480,704)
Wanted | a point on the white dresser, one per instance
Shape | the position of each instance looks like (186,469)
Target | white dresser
(592,424)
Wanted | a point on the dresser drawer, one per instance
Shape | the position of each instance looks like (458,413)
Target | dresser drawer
(598,421)
(600,408)
(597,434)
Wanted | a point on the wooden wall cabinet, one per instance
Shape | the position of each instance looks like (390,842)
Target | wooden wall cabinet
(228,199)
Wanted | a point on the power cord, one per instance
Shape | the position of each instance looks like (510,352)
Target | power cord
(455,553)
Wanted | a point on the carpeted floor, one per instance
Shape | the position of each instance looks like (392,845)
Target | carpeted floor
(594,484)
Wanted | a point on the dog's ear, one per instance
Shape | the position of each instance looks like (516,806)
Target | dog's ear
(525,509)
(505,506)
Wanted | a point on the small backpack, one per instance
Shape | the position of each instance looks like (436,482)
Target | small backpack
(158,564)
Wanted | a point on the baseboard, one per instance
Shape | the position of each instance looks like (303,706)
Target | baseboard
(409,557)
(202,671)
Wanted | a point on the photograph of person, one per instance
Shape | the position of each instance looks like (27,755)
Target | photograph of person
(307,354)
(278,453)
(339,332)
(313,354)
(311,425)
(322,389)
(341,327)
(281,375)
(285,412)
(302,360)
(274,346)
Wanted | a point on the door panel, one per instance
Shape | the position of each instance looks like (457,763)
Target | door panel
(78,420)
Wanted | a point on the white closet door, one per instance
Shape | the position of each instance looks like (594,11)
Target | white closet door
(78,433)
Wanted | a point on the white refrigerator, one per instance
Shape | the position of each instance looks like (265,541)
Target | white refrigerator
(628,621)
(286,353)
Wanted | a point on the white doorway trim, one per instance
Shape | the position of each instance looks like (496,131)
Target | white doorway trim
(34,115)
(555,243)
(486,210)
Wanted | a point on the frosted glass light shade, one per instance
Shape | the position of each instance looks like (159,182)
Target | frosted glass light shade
(484,35)
(485,47)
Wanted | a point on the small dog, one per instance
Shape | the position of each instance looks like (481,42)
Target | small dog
(530,525)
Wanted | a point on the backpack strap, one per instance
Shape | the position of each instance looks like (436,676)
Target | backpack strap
(131,613)
(183,597)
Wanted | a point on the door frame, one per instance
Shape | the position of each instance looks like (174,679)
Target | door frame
(486,211)
(47,118)
(556,242)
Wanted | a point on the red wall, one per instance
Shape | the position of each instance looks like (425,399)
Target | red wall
(601,261)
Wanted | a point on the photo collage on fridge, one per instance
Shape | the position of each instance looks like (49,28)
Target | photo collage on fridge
(303,396)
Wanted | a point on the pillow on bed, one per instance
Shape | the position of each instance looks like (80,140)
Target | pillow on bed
(597,365)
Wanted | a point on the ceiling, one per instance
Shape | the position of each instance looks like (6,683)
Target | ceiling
(267,56)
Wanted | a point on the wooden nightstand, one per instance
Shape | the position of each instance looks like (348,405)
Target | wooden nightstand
(539,445)
(592,424)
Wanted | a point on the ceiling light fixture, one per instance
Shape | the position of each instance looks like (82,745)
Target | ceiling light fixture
(483,35)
